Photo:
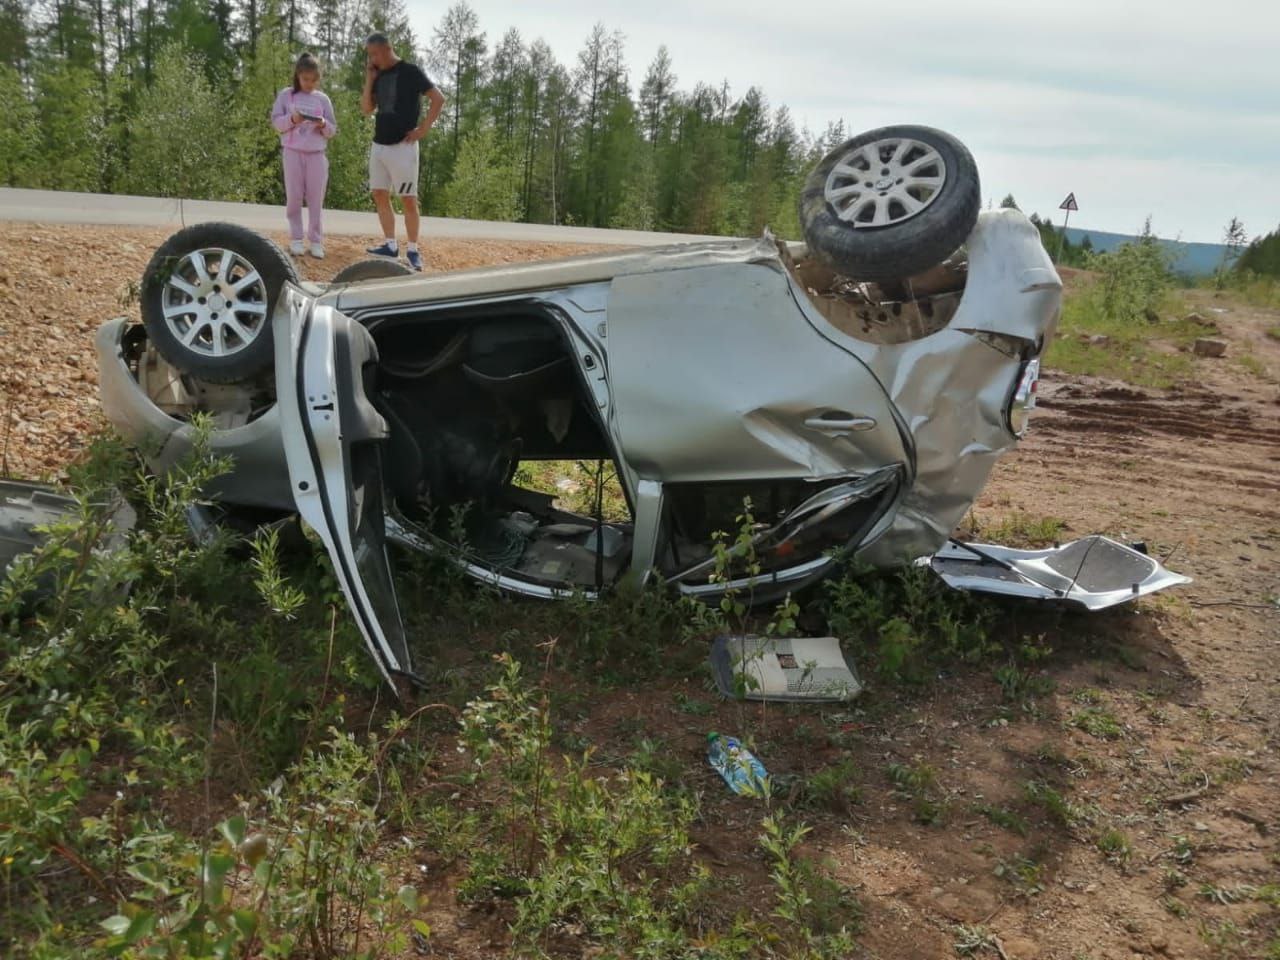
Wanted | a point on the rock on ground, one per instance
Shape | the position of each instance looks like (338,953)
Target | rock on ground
(1208,347)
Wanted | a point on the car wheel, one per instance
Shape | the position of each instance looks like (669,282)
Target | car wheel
(207,298)
(372,270)
(890,203)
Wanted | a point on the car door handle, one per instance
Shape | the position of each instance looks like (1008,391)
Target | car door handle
(838,421)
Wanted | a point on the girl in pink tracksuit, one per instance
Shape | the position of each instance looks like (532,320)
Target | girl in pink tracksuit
(304,117)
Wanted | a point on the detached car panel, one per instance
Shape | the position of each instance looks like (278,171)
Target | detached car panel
(1093,572)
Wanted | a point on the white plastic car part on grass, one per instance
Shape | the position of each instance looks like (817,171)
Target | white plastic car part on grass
(1094,572)
(791,669)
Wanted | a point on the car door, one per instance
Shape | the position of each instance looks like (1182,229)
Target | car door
(333,440)
(717,375)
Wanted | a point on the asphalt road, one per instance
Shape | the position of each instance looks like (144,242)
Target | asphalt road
(52,206)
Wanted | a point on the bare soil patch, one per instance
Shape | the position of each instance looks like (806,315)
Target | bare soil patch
(1191,677)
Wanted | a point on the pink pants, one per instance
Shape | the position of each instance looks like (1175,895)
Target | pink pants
(306,175)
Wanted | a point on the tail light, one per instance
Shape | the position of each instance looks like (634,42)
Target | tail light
(1024,397)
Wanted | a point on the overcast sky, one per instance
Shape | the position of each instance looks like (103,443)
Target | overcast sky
(1169,108)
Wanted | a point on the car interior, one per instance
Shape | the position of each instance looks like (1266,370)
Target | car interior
(475,396)
(469,396)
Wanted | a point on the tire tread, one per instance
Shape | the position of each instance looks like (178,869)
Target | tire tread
(266,256)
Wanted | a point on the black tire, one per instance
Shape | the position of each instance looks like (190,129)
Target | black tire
(249,309)
(911,242)
(371,270)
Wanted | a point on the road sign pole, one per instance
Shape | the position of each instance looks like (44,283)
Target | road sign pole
(1068,205)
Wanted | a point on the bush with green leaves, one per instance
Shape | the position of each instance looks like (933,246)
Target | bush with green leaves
(609,851)
(1133,280)
(87,669)
(152,683)
(71,140)
(175,149)
(822,917)
(20,151)
(907,621)
(307,872)
(107,727)
(485,180)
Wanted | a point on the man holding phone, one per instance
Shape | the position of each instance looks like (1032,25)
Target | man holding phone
(393,90)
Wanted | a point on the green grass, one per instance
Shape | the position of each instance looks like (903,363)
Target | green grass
(573,484)
(834,788)
(1254,366)
(1051,801)
(973,941)
(1021,685)
(918,782)
(1003,817)
(906,622)
(1131,353)
(1098,722)
(1025,874)
(1023,529)
(113,714)
(1115,846)
(1227,895)
(694,708)
(1273,332)
(1256,291)
(132,722)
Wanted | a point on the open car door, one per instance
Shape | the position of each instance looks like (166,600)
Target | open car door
(333,437)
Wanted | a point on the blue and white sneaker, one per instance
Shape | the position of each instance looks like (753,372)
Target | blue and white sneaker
(384,250)
(415,259)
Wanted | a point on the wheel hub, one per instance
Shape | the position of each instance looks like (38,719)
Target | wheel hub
(885,182)
(215,302)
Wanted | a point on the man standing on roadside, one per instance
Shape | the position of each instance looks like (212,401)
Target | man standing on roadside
(393,89)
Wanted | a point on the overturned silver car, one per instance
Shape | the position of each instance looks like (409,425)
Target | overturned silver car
(859,417)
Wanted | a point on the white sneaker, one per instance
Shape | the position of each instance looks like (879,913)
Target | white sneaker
(317,251)
(297,248)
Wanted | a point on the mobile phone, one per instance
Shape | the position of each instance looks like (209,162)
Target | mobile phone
(309,116)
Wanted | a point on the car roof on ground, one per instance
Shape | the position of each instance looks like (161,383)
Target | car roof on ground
(549,274)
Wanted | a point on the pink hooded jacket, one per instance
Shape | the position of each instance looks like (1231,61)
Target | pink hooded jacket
(306,137)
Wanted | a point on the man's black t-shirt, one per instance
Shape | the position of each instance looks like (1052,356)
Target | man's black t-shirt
(397,93)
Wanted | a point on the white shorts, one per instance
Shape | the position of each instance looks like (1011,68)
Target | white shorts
(394,167)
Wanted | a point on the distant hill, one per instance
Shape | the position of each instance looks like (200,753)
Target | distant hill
(1196,259)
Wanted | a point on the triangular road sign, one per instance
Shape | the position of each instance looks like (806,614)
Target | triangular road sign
(1069,203)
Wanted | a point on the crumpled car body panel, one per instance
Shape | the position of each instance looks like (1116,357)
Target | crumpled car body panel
(953,387)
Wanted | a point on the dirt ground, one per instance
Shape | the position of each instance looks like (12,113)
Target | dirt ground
(1188,777)
(1192,678)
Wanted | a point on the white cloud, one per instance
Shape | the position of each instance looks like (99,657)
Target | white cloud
(1136,105)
